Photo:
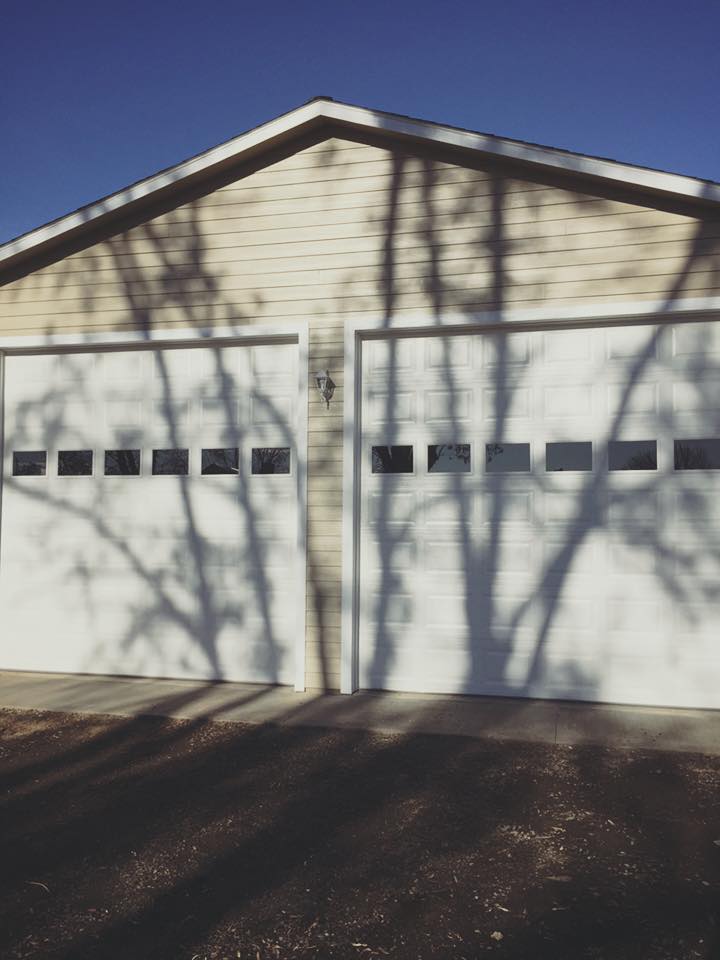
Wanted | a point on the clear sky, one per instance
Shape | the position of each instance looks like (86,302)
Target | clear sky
(94,95)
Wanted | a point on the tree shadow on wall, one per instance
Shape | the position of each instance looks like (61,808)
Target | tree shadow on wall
(513,634)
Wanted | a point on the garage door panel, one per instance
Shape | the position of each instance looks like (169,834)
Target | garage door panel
(697,402)
(591,581)
(512,556)
(441,558)
(509,407)
(495,350)
(454,353)
(397,607)
(696,501)
(451,408)
(402,405)
(634,505)
(158,575)
(642,400)
(170,416)
(563,348)
(567,401)
(392,506)
(505,504)
(123,367)
(447,507)
(388,355)
(574,509)
(695,340)
(630,343)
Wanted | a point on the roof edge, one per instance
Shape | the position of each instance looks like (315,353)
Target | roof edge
(325,109)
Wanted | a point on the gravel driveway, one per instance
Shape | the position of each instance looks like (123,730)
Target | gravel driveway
(173,840)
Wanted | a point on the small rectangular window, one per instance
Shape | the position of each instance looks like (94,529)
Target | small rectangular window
(170,463)
(632,455)
(568,456)
(122,463)
(220,460)
(449,458)
(397,459)
(29,463)
(271,459)
(507,457)
(75,463)
(697,454)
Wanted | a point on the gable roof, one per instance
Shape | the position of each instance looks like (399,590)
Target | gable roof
(324,110)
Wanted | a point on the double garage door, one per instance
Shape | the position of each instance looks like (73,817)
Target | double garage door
(150,513)
(540,514)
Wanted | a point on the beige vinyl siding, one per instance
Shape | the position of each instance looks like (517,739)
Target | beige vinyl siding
(344,229)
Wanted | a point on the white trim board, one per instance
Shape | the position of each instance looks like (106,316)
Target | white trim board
(157,337)
(358,331)
(325,110)
(410,323)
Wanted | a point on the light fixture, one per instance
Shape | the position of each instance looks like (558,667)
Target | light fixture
(325,385)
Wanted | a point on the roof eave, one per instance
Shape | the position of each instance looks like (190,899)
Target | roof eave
(361,119)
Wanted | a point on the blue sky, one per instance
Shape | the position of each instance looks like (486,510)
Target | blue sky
(94,95)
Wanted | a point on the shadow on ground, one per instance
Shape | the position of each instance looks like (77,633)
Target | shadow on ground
(178,839)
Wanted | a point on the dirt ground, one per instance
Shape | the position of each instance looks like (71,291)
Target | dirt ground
(179,840)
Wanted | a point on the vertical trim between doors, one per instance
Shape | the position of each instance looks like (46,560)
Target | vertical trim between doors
(301,490)
(350,512)
(2,438)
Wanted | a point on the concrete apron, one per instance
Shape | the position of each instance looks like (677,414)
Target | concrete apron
(538,721)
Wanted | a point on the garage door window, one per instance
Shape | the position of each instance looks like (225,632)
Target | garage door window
(568,456)
(697,454)
(271,460)
(75,463)
(29,463)
(170,463)
(395,459)
(507,457)
(449,458)
(217,461)
(122,463)
(632,455)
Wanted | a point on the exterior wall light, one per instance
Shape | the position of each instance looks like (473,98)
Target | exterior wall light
(325,385)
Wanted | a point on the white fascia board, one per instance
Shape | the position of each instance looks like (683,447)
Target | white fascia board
(233,149)
(686,187)
(365,119)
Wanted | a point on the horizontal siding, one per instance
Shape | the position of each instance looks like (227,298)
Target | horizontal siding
(412,292)
(343,230)
(410,277)
(336,264)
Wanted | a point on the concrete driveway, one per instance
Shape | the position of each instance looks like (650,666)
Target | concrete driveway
(535,721)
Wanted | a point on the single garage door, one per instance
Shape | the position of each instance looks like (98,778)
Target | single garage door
(540,514)
(150,513)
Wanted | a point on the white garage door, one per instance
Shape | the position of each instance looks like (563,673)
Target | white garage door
(540,514)
(149,513)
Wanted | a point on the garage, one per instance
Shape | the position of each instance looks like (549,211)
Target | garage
(540,513)
(150,512)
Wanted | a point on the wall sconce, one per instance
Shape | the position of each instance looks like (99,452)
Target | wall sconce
(325,385)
